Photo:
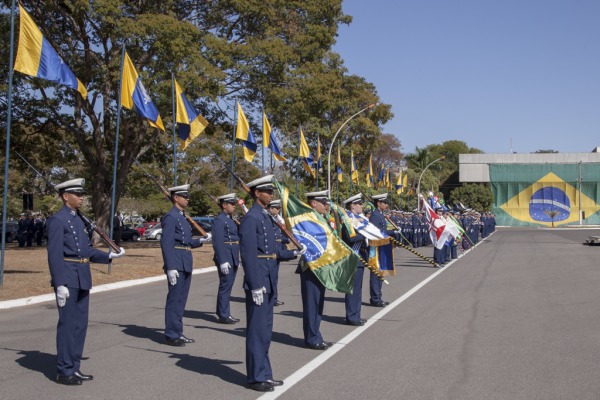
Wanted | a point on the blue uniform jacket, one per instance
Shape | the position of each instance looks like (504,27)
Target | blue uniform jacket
(68,238)
(177,232)
(225,230)
(378,219)
(257,238)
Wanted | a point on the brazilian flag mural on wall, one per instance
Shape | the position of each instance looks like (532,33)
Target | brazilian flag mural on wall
(540,194)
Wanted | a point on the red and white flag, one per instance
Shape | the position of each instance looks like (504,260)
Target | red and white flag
(437,228)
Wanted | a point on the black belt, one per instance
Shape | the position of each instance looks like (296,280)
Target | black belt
(186,248)
(232,242)
(268,256)
(77,260)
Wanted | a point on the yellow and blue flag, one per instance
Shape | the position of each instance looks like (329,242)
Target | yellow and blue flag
(353,170)
(327,256)
(243,132)
(269,140)
(399,185)
(135,97)
(340,175)
(35,56)
(370,175)
(189,122)
(305,156)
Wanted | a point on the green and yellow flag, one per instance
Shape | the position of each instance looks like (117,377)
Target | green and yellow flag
(328,257)
(545,194)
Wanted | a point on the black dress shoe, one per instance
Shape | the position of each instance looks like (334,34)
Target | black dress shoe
(360,322)
(228,321)
(319,346)
(274,382)
(83,376)
(68,380)
(261,387)
(175,342)
(279,303)
(379,303)
(186,340)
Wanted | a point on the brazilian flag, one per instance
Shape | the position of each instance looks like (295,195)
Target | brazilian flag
(545,194)
(328,257)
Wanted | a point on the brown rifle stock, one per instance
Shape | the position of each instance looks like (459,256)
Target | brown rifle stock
(165,192)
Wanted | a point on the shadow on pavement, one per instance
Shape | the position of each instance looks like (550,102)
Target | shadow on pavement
(37,361)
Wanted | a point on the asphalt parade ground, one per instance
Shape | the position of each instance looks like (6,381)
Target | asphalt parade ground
(515,318)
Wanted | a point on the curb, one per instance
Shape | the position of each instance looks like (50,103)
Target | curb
(96,289)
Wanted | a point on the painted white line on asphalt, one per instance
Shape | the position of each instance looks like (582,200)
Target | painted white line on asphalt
(100,288)
(301,373)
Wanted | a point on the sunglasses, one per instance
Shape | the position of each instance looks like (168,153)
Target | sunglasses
(77,194)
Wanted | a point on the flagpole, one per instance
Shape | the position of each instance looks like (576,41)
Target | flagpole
(263,143)
(114,185)
(333,141)
(8,122)
(298,163)
(174,130)
(235,121)
(317,166)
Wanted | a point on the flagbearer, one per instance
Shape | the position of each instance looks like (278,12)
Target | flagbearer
(69,255)
(259,253)
(226,244)
(282,241)
(378,219)
(176,244)
(358,243)
(312,290)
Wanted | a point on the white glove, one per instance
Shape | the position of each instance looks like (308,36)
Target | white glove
(112,255)
(172,275)
(257,296)
(225,268)
(62,294)
(207,238)
(301,251)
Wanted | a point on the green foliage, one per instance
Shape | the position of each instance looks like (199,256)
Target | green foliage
(476,196)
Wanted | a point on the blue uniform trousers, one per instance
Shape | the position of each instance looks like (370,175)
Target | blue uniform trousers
(453,253)
(439,256)
(224,294)
(175,307)
(375,288)
(259,330)
(354,300)
(313,301)
(71,331)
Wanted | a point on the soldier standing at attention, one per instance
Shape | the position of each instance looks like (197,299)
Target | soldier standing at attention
(226,244)
(69,256)
(378,219)
(259,252)
(176,244)
(358,244)
(312,290)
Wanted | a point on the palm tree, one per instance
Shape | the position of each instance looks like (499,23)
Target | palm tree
(552,214)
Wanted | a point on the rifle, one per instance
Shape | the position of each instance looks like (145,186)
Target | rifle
(165,192)
(90,224)
(279,224)
(214,199)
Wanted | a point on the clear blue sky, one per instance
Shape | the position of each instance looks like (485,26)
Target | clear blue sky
(481,71)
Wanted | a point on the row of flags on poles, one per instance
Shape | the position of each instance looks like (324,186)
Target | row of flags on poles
(37,58)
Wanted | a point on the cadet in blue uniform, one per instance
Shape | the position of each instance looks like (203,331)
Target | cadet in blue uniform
(274,208)
(358,244)
(259,253)
(312,290)
(69,255)
(226,244)
(378,219)
(176,244)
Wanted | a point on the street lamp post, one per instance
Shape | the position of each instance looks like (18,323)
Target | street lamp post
(419,183)
(333,141)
